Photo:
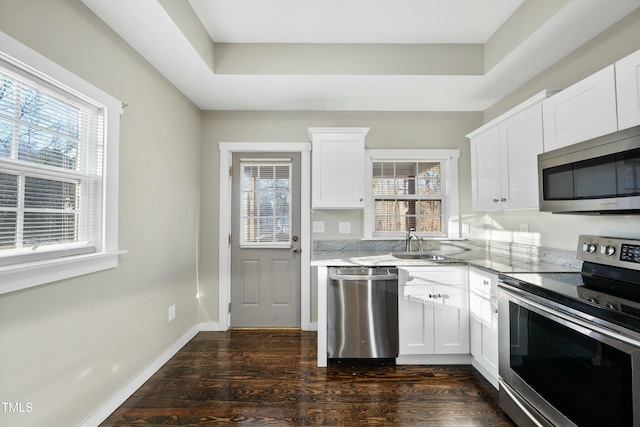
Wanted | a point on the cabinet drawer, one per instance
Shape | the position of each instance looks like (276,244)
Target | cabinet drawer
(483,283)
(420,276)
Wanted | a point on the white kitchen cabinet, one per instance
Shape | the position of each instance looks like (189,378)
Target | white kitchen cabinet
(433,311)
(504,162)
(337,180)
(628,90)
(483,321)
(584,110)
(486,187)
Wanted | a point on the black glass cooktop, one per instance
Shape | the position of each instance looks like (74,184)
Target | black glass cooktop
(614,300)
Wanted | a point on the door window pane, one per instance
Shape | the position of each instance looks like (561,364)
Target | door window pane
(265,203)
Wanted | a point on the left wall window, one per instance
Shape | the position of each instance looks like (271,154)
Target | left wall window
(58,171)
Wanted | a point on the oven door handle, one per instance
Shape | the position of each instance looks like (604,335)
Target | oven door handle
(576,321)
(515,399)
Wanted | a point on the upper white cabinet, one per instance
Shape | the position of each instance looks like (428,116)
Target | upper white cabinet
(433,311)
(628,90)
(504,168)
(582,111)
(337,167)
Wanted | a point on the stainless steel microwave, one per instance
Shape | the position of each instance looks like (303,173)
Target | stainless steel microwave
(598,176)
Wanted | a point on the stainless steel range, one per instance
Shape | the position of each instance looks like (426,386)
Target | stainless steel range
(570,342)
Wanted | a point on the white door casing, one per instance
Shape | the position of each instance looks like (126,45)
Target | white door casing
(224,254)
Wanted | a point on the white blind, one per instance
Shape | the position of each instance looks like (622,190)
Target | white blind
(50,167)
(265,203)
(407,195)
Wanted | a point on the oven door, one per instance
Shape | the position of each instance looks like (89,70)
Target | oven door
(559,369)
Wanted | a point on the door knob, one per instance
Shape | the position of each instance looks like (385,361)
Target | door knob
(295,250)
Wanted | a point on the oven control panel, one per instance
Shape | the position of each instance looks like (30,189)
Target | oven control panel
(612,251)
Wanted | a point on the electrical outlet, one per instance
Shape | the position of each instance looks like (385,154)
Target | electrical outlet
(172,312)
(466,228)
(318,226)
(524,228)
(344,227)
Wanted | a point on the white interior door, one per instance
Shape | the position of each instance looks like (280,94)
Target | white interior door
(265,243)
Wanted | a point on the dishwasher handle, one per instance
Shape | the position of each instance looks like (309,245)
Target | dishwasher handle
(360,274)
(369,277)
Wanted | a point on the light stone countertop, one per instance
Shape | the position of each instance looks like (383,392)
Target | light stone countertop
(491,256)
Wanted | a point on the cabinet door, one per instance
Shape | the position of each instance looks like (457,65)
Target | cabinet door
(520,144)
(451,319)
(483,311)
(415,318)
(485,170)
(582,111)
(628,90)
(338,170)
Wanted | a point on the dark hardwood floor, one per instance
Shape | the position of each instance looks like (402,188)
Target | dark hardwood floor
(270,377)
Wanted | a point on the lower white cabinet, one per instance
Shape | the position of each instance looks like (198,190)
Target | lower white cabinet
(483,305)
(433,311)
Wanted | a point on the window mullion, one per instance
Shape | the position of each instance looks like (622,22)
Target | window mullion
(16,121)
(20,212)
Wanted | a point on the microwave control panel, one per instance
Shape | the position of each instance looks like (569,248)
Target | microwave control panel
(612,251)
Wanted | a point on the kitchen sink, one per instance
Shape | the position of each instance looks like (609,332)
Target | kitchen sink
(429,256)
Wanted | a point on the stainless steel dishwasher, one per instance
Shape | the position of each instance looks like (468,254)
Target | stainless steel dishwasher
(362,313)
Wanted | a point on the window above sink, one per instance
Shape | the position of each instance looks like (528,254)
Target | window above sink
(407,189)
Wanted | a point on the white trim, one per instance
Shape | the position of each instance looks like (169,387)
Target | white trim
(22,276)
(210,327)
(224,258)
(38,273)
(103,412)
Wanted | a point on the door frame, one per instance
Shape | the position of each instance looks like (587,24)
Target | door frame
(227,149)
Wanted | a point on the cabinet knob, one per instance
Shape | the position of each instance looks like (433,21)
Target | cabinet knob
(495,310)
(485,282)
(503,200)
(495,200)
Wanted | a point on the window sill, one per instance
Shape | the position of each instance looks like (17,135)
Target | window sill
(22,276)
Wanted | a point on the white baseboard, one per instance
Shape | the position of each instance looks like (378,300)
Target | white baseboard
(434,359)
(485,373)
(118,399)
(210,327)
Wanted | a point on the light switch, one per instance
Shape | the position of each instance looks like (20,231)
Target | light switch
(344,227)
(318,226)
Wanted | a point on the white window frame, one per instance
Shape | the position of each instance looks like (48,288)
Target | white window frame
(35,272)
(450,198)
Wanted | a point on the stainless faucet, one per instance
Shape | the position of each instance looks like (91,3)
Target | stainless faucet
(411,234)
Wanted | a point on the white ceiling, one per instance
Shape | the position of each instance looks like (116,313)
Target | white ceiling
(160,30)
(353,21)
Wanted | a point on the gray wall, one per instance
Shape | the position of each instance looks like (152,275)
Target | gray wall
(388,130)
(68,347)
